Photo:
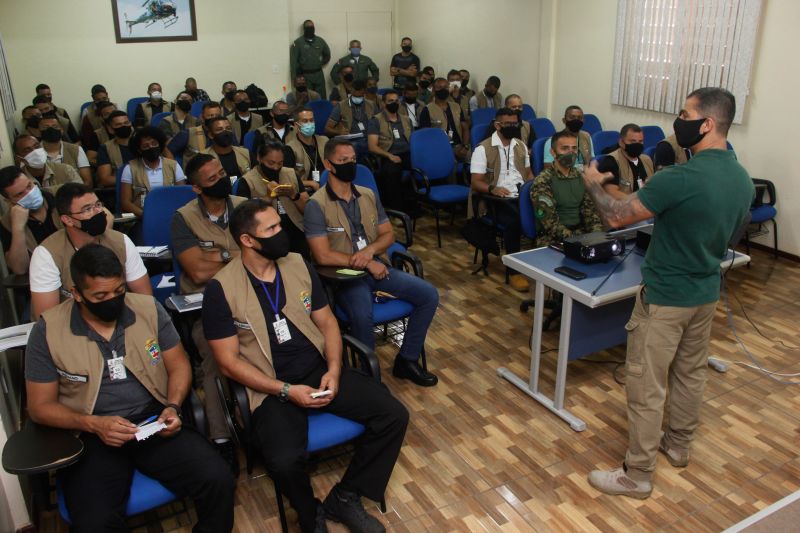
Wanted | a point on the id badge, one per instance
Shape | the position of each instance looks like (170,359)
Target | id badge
(361,243)
(640,182)
(281,209)
(396,133)
(116,369)
(361,126)
(281,330)
(315,175)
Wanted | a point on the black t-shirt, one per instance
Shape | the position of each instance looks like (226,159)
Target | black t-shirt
(104,159)
(40,230)
(293,359)
(609,164)
(229,163)
(425,122)
(665,155)
(245,125)
(403,62)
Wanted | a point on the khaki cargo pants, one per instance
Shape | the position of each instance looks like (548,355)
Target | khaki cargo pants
(667,350)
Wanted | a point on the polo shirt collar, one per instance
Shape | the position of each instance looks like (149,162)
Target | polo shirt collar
(332,195)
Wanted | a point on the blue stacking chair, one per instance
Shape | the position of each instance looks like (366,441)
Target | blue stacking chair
(528,113)
(117,197)
(197,108)
(483,115)
(433,163)
(384,90)
(603,139)
(249,141)
(160,205)
(537,155)
(477,134)
(761,212)
(133,103)
(591,124)
(322,110)
(652,135)
(650,152)
(543,127)
(325,430)
(158,117)
(85,105)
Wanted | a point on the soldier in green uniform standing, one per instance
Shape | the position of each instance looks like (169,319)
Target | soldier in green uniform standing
(363,66)
(307,55)
(563,206)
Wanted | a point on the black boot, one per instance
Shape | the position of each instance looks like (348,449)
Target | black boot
(408,369)
(345,507)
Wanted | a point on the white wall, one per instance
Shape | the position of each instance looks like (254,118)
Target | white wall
(765,143)
(486,38)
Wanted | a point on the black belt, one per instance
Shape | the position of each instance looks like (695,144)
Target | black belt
(311,71)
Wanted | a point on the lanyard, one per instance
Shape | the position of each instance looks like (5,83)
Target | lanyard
(277,301)
(508,156)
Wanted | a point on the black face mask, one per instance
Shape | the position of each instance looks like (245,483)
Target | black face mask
(221,189)
(224,139)
(510,132)
(348,77)
(634,149)
(184,105)
(687,132)
(108,310)
(94,226)
(229,95)
(242,106)
(410,99)
(302,88)
(48,99)
(424,84)
(33,122)
(271,173)
(489,94)
(123,132)
(392,107)
(51,135)
(308,32)
(151,155)
(574,125)
(442,94)
(406,48)
(281,119)
(274,247)
(344,171)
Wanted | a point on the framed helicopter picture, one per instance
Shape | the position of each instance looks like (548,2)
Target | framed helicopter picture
(142,21)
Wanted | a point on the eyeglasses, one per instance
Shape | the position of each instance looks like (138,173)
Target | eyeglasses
(503,124)
(88,209)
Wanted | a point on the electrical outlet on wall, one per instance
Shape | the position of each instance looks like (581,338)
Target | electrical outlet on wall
(274,69)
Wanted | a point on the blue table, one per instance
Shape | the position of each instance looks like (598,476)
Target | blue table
(593,317)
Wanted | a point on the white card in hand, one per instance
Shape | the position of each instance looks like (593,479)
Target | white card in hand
(148,430)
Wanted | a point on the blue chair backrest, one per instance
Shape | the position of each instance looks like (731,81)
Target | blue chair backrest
(158,117)
(650,151)
(527,214)
(384,90)
(542,127)
(249,141)
(160,205)
(591,124)
(133,103)
(431,153)
(364,178)
(537,155)
(483,115)
(85,105)
(478,133)
(652,134)
(528,113)
(118,185)
(604,139)
(322,110)
(197,108)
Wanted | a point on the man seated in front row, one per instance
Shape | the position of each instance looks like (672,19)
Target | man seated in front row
(101,363)
(562,204)
(630,166)
(267,320)
(85,222)
(347,227)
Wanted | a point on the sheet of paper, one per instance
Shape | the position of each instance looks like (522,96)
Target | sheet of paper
(148,430)
(166,281)
(349,272)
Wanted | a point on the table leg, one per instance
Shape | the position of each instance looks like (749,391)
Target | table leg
(536,337)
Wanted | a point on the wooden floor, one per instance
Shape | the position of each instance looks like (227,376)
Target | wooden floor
(479,455)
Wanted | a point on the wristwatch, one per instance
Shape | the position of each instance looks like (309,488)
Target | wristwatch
(296,196)
(283,395)
(176,407)
(225,255)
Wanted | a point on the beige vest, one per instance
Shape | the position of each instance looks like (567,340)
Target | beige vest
(343,92)
(680,153)
(80,363)
(439,117)
(584,141)
(248,316)
(266,131)
(242,157)
(525,132)
(189,121)
(493,169)
(256,121)
(30,242)
(625,172)
(102,135)
(62,250)
(304,165)
(258,189)
(206,231)
(140,181)
(114,155)
(347,113)
(385,136)
(342,241)
(69,154)
(497,100)
(94,119)
(195,144)
(55,175)
(147,109)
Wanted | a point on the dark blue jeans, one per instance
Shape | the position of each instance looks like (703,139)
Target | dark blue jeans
(355,297)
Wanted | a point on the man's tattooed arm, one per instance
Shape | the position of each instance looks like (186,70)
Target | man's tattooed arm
(615,212)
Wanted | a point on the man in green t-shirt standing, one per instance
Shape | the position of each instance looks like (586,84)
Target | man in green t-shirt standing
(698,207)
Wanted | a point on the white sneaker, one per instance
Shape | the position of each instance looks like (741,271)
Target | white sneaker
(617,483)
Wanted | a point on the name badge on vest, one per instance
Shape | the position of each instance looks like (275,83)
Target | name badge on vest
(116,369)
(361,126)
(206,244)
(65,293)
(72,377)
(281,209)
(242,325)
(396,133)
(361,243)
(281,330)
(315,175)
(332,229)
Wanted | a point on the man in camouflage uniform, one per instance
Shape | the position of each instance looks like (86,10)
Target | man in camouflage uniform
(363,66)
(563,206)
(307,55)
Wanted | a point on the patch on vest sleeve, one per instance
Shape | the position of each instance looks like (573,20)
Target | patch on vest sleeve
(72,377)
(305,299)
(242,325)
(154,350)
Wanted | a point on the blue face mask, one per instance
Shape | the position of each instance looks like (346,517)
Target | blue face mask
(308,129)
(357,100)
(33,200)
(355,52)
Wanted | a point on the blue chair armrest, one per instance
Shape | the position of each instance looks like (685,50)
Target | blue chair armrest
(425,181)
(408,262)
(197,413)
(355,348)
(406,220)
